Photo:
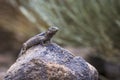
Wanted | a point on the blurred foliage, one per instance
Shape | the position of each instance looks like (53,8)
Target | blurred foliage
(12,20)
(95,23)
(12,25)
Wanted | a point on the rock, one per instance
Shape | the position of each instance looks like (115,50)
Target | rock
(50,62)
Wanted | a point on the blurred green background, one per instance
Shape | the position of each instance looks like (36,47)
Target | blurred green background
(88,28)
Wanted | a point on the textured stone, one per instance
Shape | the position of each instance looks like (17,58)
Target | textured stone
(50,62)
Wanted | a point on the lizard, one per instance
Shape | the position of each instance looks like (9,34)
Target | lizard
(41,38)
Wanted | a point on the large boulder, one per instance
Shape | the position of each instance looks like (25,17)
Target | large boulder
(50,62)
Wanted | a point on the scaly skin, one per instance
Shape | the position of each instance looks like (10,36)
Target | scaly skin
(41,38)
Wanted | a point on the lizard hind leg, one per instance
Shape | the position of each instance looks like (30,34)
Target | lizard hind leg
(23,50)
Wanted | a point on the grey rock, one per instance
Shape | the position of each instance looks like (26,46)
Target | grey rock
(50,62)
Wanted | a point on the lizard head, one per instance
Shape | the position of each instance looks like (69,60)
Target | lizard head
(53,30)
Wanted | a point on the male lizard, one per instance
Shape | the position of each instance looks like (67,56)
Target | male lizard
(41,38)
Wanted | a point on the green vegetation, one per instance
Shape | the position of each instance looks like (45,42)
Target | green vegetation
(93,23)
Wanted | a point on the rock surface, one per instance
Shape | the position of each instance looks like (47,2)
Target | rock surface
(50,62)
